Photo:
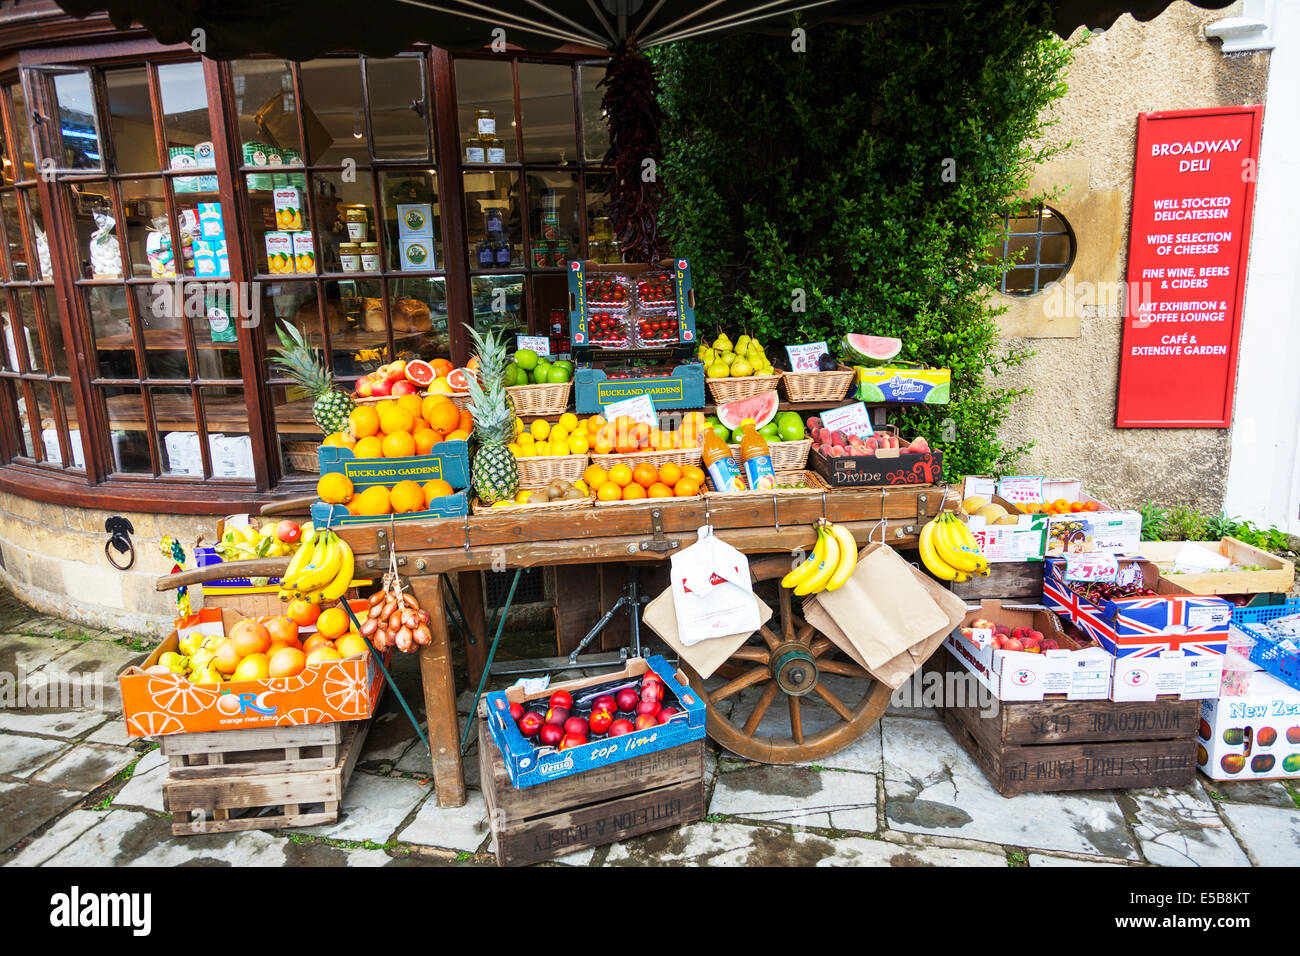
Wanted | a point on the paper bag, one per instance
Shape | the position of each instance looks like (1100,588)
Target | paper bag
(712,593)
(885,643)
(705,656)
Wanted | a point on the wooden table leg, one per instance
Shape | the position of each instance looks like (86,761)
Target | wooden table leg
(470,590)
(440,696)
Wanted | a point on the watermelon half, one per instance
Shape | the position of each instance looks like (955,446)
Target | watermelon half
(761,407)
(870,349)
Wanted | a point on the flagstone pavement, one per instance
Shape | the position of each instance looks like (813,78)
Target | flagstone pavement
(76,790)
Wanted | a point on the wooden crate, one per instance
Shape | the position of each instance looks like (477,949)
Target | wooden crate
(600,806)
(1277,577)
(1055,745)
(1010,579)
(259,779)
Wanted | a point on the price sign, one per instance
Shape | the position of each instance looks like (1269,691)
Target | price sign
(1091,567)
(538,343)
(639,409)
(851,419)
(803,358)
(1021,489)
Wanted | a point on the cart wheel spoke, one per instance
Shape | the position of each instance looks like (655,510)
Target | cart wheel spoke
(796,720)
(821,646)
(843,668)
(787,616)
(740,683)
(760,709)
(772,640)
(837,705)
(755,654)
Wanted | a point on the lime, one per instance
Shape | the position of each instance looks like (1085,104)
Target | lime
(526,359)
(512,375)
(557,374)
(737,435)
(721,430)
(938,395)
(541,371)
(790,430)
(567,366)
(867,392)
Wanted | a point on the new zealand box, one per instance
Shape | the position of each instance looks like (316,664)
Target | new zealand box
(1253,737)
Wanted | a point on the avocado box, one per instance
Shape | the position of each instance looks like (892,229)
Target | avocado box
(1255,737)
(683,387)
(904,384)
(528,765)
(680,269)
(448,460)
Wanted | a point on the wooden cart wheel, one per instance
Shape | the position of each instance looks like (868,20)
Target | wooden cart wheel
(787,658)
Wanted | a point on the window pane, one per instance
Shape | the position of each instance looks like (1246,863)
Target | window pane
(41,267)
(28,423)
(178,438)
(49,423)
(296,430)
(268,113)
(496,237)
(358,326)
(549,294)
(9,359)
(546,102)
(31,329)
(185,110)
(595,130)
(411,221)
(16,251)
(553,218)
(6,160)
(292,303)
(332,199)
(601,244)
(486,85)
(130,121)
(400,111)
(27,166)
(497,302)
(128,439)
(78,460)
(419,318)
(216,338)
(163,322)
(77,131)
(98,250)
(110,325)
(54,330)
(334,111)
(280,222)
(225,411)
(148,233)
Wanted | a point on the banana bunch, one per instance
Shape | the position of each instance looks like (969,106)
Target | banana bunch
(320,571)
(830,564)
(949,550)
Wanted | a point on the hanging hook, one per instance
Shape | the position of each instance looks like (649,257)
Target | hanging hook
(467,532)
(776,518)
(882,524)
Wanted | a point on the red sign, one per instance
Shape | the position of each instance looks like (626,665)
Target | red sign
(1193,197)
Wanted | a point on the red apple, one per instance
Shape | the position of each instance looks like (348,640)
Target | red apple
(667,713)
(288,531)
(557,716)
(380,388)
(517,712)
(572,740)
(649,708)
(402,387)
(551,734)
(620,727)
(601,719)
(627,700)
(645,722)
(576,725)
(365,388)
(605,702)
(562,699)
(530,723)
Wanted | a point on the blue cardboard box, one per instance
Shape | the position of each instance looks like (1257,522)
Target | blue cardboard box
(580,309)
(683,387)
(528,765)
(205,557)
(448,460)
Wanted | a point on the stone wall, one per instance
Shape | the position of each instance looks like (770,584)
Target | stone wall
(1165,64)
(53,559)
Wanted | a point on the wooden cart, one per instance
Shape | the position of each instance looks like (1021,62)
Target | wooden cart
(785,657)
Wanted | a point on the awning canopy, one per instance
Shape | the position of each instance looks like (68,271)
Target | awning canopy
(300,30)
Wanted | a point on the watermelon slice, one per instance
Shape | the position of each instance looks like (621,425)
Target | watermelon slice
(458,379)
(420,373)
(870,349)
(761,407)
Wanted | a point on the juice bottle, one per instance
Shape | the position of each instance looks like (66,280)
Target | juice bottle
(721,464)
(759,474)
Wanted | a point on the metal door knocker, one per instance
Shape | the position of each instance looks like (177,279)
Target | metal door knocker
(119,539)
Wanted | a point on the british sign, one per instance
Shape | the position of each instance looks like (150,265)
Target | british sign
(1193,197)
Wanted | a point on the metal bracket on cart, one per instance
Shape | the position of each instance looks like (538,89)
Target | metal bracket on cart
(921,515)
(658,543)
(383,548)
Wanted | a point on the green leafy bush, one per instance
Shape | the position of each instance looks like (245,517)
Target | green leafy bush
(858,186)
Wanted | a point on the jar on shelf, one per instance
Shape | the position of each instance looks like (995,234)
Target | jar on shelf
(485,124)
(475,151)
(370,257)
(358,223)
(350,256)
(496,151)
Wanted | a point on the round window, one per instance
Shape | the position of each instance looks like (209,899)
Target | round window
(1038,245)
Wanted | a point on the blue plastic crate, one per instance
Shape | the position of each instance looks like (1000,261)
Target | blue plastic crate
(1267,653)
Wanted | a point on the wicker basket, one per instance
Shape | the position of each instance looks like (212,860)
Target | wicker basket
(733,389)
(568,504)
(540,470)
(540,400)
(814,482)
(652,502)
(786,455)
(817,386)
(459,399)
(303,455)
(681,456)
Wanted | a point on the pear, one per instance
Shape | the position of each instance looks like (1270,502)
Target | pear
(209,675)
(717,370)
(190,643)
(707,355)
(722,343)
(740,368)
(173,662)
(726,358)
(742,344)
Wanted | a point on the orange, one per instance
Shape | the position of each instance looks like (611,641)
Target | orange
(314,642)
(633,492)
(249,637)
(385,405)
(396,419)
(411,403)
(332,623)
(334,488)
(466,421)
(685,488)
(609,491)
(226,658)
(659,490)
(444,416)
(442,368)
(459,434)
(602,445)
(399,445)
(595,476)
(406,496)
(350,645)
(252,667)
(371,503)
(339,440)
(621,475)
(424,440)
(669,473)
(436,488)
(282,630)
(364,420)
(694,473)
(286,663)
(371,447)
(323,655)
(645,474)
(302,613)
(595,422)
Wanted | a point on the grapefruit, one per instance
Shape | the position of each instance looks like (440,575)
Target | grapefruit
(458,379)
(761,408)
(420,373)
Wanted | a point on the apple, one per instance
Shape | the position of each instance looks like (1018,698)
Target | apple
(576,725)
(530,723)
(604,702)
(645,722)
(402,387)
(627,700)
(550,734)
(648,708)
(517,712)
(365,388)
(562,699)
(572,740)
(557,716)
(380,388)
(601,719)
(620,727)
(667,714)
(288,531)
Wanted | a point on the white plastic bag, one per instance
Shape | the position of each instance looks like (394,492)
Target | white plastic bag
(712,592)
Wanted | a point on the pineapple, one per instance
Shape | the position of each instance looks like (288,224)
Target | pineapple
(305,366)
(495,475)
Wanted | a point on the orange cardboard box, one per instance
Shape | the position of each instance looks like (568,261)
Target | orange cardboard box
(157,704)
